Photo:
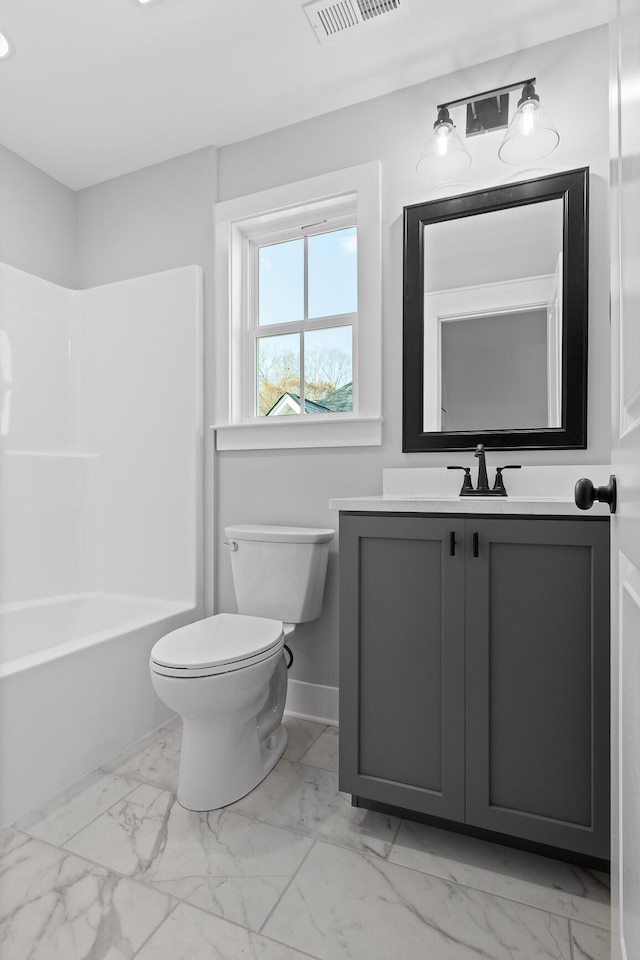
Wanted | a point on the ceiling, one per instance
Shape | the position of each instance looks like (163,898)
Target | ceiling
(98,88)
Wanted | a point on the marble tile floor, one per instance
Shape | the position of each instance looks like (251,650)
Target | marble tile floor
(115,869)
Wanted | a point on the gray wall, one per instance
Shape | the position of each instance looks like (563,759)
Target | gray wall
(295,486)
(37,221)
(161,217)
(151,220)
(494,372)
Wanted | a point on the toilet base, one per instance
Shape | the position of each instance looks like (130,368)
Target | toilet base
(232,733)
(200,789)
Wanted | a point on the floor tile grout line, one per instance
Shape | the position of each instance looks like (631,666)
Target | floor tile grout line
(395,837)
(235,923)
(155,930)
(315,838)
(294,875)
(151,737)
(591,925)
(177,901)
(298,831)
(374,858)
(457,883)
(241,926)
(102,866)
(572,953)
(385,857)
(97,817)
(314,766)
(313,742)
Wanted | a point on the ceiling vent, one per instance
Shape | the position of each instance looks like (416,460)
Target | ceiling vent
(329,18)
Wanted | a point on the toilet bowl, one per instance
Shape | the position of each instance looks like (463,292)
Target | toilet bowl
(226,676)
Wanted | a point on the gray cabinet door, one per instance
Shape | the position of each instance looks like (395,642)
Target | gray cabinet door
(402,662)
(537,628)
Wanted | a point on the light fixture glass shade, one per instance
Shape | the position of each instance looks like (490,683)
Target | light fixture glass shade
(446,157)
(5,47)
(530,135)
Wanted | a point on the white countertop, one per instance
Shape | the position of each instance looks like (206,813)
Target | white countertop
(541,506)
(533,490)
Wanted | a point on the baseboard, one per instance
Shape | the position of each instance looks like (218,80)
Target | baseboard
(312,701)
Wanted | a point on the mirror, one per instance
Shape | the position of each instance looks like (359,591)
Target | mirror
(495,317)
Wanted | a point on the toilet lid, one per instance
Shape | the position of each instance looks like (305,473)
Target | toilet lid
(223,639)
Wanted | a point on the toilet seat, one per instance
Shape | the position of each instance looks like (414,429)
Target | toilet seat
(219,644)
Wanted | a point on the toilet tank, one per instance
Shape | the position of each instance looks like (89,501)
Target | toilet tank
(279,572)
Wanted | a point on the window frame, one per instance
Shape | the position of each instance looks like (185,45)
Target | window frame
(349,197)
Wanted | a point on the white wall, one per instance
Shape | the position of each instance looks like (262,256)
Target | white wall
(37,221)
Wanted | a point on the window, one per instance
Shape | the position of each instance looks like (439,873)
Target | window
(303,318)
(298,314)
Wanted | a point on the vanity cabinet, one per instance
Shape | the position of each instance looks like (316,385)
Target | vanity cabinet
(474,672)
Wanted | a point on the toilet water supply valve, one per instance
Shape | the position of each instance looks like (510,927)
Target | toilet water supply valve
(233,546)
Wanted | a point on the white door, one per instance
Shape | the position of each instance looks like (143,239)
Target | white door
(625,525)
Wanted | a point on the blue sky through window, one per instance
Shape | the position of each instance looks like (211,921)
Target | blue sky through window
(333,275)
(281,283)
(332,278)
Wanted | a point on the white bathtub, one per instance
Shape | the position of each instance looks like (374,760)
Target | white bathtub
(74,688)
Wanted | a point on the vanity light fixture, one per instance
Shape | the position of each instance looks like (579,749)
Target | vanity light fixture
(446,157)
(529,136)
(6,47)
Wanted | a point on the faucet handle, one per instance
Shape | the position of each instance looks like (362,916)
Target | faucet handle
(466,483)
(499,483)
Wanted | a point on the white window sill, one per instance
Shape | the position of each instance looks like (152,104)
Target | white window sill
(285,432)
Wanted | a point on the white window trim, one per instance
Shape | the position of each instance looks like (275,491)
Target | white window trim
(266,213)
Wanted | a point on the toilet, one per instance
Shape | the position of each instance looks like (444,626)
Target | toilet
(226,676)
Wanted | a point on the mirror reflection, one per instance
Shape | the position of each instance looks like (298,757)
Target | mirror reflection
(493,320)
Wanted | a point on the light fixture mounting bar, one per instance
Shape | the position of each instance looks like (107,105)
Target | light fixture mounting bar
(487,93)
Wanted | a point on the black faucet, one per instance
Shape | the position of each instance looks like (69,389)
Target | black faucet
(483,479)
(483,489)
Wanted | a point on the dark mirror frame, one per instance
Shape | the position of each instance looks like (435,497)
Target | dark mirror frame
(572,187)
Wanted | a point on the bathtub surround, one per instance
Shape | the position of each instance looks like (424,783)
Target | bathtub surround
(312,877)
(100,510)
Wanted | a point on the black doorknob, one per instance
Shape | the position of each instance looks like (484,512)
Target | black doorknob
(586,494)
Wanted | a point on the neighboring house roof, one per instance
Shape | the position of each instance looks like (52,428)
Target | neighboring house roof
(341,400)
(336,402)
(290,403)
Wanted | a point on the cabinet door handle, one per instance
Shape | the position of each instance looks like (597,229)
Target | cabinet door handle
(452,543)
(475,544)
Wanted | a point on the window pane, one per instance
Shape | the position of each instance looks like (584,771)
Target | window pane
(328,377)
(278,375)
(281,282)
(333,273)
